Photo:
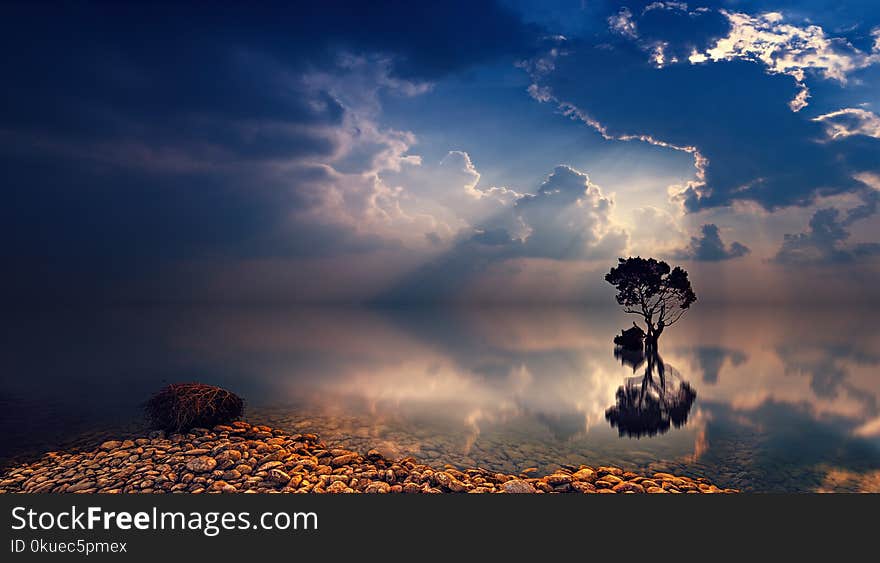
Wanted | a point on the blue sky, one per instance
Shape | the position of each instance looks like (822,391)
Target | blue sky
(473,151)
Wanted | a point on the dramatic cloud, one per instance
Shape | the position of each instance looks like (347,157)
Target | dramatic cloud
(826,240)
(568,218)
(730,115)
(671,32)
(293,146)
(709,247)
(850,121)
(450,191)
(789,49)
(235,135)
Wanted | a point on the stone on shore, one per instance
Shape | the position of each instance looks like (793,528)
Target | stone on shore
(201,464)
(243,458)
(518,486)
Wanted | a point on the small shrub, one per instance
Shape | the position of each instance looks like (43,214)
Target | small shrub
(181,406)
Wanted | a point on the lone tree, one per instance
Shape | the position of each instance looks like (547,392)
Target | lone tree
(650,288)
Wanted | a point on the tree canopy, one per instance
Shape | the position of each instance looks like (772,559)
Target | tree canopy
(651,288)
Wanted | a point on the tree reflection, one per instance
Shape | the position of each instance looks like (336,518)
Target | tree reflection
(650,404)
(634,358)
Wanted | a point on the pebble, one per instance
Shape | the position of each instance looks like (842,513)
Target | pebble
(201,464)
(628,487)
(558,479)
(259,459)
(518,486)
(278,476)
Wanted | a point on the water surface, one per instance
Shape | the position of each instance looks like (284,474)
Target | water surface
(785,399)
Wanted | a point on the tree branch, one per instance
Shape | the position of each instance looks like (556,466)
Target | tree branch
(680,315)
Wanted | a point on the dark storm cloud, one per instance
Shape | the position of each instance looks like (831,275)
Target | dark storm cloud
(134,134)
(708,247)
(733,116)
(676,28)
(825,241)
(171,70)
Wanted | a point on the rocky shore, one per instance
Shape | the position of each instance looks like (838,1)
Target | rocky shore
(244,458)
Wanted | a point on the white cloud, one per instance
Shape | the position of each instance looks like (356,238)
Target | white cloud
(570,217)
(349,189)
(359,187)
(869,178)
(373,184)
(461,161)
(850,121)
(658,54)
(567,221)
(450,192)
(666,6)
(654,231)
(701,162)
(544,94)
(789,49)
(622,23)
(696,57)
(799,102)
(540,93)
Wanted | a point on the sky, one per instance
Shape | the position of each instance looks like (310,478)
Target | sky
(469,152)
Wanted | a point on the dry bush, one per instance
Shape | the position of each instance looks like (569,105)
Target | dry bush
(181,406)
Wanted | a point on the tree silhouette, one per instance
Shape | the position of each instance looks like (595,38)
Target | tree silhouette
(650,288)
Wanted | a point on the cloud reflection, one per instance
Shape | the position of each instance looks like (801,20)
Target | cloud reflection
(795,386)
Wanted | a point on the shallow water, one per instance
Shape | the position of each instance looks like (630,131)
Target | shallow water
(786,399)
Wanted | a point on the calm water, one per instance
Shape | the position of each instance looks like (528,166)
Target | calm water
(785,399)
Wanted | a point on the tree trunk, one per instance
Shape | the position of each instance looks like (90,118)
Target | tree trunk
(653,335)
